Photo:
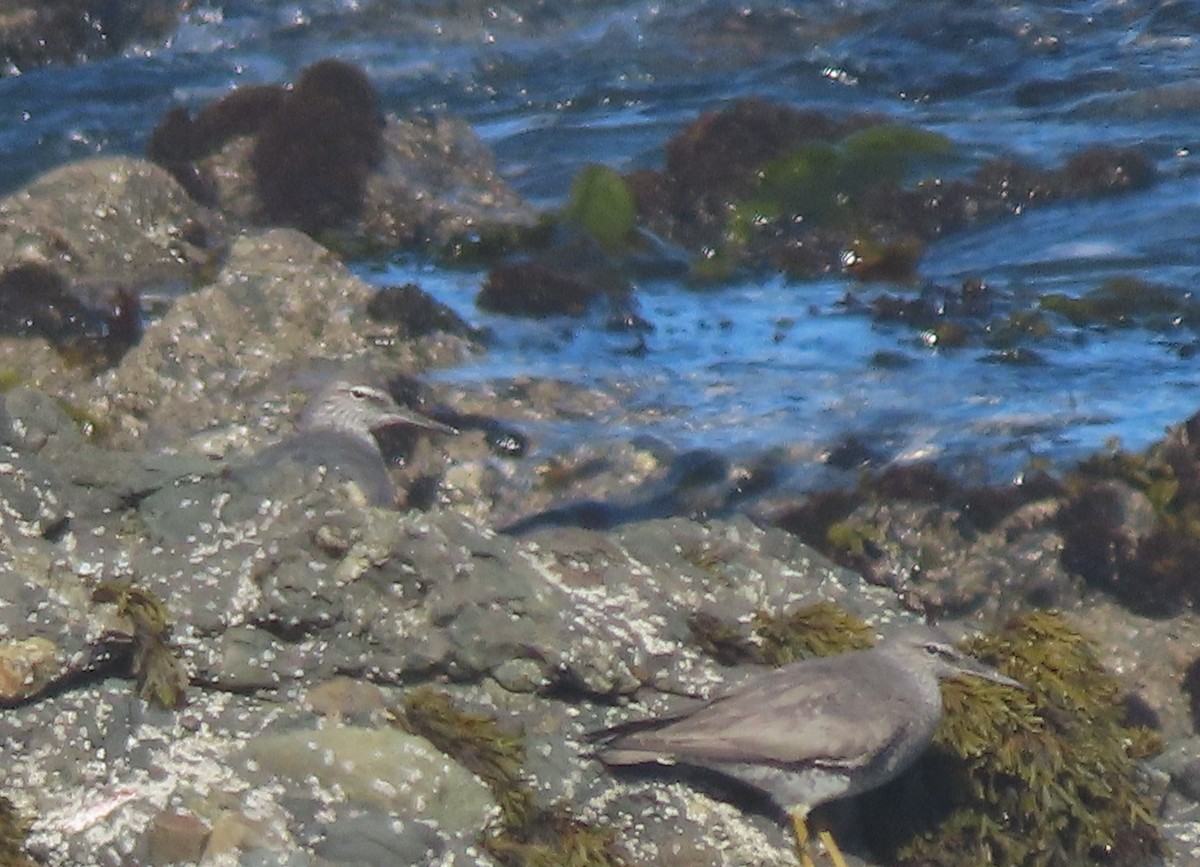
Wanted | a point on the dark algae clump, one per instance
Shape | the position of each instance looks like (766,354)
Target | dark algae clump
(536,289)
(313,155)
(160,677)
(14,829)
(529,835)
(314,145)
(1125,302)
(755,184)
(94,333)
(179,141)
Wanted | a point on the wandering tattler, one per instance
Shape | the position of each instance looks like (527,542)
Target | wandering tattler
(814,730)
(335,435)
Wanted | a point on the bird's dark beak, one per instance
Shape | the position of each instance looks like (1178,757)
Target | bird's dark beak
(414,419)
(969,666)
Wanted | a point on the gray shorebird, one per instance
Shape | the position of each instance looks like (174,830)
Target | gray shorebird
(335,435)
(812,731)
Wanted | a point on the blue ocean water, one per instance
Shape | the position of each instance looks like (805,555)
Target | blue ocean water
(768,362)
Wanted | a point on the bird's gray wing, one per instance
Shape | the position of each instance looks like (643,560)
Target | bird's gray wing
(804,713)
(344,457)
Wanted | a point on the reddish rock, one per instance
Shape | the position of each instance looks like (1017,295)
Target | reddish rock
(343,696)
(176,838)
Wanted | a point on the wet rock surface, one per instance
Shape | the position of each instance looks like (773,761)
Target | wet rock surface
(111,218)
(66,31)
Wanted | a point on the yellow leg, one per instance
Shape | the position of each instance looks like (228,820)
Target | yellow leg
(835,854)
(800,831)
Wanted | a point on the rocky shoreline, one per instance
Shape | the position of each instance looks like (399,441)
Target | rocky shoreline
(412,685)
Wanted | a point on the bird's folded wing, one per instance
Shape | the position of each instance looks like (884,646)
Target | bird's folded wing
(346,457)
(819,718)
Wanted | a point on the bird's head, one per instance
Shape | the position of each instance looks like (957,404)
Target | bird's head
(358,408)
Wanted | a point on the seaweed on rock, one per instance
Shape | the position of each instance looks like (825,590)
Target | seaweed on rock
(1041,778)
(529,835)
(1132,523)
(821,629)
(725,642)
(160,676)
(602,204)
(14,829)
(314,154)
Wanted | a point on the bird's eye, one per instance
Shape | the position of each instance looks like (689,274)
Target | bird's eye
(361,392)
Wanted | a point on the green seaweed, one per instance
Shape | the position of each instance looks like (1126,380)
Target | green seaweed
(556,839)
(713,560)
(1150,473)
(478,743)
(821,629)
(92,426)
(14,831)
(848,538)
(490,243)
(894,261)
(529,835)
(160,676)
(1008,331)
(717,264)
(820,180)
(1045,777)
(603,205)
(804,183)
(946,335)
(820,513)
(1122,302)
(823,184)
(883,153)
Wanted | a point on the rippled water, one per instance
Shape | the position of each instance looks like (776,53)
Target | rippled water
(552,86)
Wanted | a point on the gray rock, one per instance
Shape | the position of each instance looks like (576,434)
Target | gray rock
(1187,780)
(63,475)
(110,220)
(385,769)
(262,858)
(369,839)
(931,553)
(252,658)
(278,297)
(438,181)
